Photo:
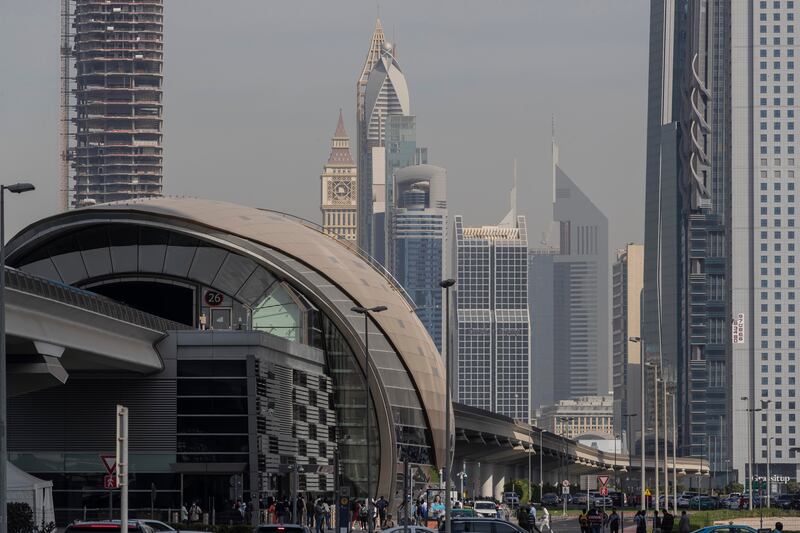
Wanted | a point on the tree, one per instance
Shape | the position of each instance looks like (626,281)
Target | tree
(20,517)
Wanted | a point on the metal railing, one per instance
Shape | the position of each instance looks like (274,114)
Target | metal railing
(60,292)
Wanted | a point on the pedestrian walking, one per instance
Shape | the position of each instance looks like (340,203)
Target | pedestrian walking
(523,518)
(184,514)
(656,522)
(640,520)
(327,508)
(381,506)
(667,521)
(583,521)
(319,515)
(545,523)
(683,525)
(613,521)
(595,519)
(779,527)
(532,513)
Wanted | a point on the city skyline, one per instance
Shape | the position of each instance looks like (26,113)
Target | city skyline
(281,141)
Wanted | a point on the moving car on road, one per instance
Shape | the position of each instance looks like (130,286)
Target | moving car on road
(107,526)
(485,508)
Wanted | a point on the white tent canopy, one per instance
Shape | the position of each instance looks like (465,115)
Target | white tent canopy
(23,487)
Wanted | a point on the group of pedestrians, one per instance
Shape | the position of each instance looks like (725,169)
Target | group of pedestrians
(663,524)
(528,519)
(359,514)
(315,514)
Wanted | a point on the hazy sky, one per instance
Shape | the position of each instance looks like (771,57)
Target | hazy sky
(253,87)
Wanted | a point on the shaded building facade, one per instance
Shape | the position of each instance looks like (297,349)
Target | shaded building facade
(626,295)
(580,294)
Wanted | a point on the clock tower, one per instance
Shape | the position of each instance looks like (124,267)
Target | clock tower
(338,188)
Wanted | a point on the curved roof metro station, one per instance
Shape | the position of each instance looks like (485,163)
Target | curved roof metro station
(228,332)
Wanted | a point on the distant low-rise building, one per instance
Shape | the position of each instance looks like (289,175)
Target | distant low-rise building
(578,417)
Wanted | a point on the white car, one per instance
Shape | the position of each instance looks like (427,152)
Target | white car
(411,529)
(485,508)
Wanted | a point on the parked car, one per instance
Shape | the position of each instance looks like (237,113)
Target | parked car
(579,499)
(725,503)
(550,499)
(620,499)
(107,526)
(511,499)
(482,525)
(602,501)
(701,503)
(485,508)
(463,512)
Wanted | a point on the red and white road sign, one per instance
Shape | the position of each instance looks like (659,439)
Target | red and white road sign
(109,481)
(110,462)
(603,491)
(565,483)
(602,480)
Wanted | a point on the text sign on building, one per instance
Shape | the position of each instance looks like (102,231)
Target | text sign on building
(737,329)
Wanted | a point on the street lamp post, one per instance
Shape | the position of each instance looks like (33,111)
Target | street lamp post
(666,441)
(628,438)
(541,456)
(448,378)
(16,188)
(366,311)
(642,473)
(654,366)
(765,407)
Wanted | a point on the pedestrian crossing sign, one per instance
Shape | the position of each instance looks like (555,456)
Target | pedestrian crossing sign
(647,493)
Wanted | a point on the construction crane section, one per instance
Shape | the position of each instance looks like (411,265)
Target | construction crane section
(117,49)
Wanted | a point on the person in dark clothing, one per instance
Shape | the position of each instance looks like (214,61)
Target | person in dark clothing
(613,521)
(280,510)
(641,522)
(595,520)
(381,506)
(523,518)
(667,522)
(583,521)
(656,522)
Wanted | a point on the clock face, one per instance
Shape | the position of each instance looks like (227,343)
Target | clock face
(341,190)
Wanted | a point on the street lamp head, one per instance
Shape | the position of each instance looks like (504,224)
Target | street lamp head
(446,283)
(19,188)
(635,339)
(358,309)
(378,308)
(744,398)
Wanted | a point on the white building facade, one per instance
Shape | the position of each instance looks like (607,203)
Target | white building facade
(493,320)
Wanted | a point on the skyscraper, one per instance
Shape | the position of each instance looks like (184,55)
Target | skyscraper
(118,54)
(400,151)
(339,188)
(627,280)
(492,317)
(687,267)
(418,238)
(720,226)
(580,293)
(381,90)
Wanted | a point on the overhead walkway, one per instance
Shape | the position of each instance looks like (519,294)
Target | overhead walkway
(53,329)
